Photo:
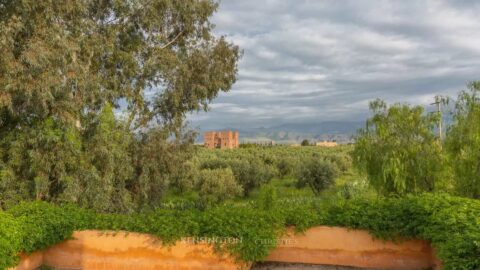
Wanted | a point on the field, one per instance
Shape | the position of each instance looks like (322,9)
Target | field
(277,168)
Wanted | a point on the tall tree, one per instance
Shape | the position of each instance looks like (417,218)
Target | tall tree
(66,65)
(64,59)
(463,142)
(399,150)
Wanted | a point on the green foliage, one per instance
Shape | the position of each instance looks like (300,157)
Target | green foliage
(449,223)
(160,164)
(65,59)
(342,162)
(305,143)
(66,66)
(43,224)
(247,233)
(167,224)
(317,174)
(399,151)
(250,231)
(287,167)
(109,166)
(267,199)
(10,240)
(217,185)
(463,142)
(256,166)
(251,173)
(38,163)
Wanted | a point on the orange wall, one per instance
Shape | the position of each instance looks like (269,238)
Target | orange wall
(95,250)
(340,246)
(320,245)
(31,262)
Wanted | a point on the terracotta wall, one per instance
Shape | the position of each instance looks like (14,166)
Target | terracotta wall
(98,250)
(339,246)
(319,245)
(31,262)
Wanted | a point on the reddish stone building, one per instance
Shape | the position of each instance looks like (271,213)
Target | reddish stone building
(221,139)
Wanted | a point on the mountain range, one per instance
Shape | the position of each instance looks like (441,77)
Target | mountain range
(340,131)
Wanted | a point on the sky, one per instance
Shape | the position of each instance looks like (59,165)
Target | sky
(306,61)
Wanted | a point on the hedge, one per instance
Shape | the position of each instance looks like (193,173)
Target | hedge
(451,224)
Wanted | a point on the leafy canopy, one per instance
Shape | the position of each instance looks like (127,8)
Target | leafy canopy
(66,66)
(67,59)
(463,142)
(399,151)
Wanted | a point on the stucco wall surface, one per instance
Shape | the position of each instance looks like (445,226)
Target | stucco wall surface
(95,250)
(357,248)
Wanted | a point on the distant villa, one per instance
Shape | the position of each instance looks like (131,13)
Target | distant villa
(327,144)
(227,139)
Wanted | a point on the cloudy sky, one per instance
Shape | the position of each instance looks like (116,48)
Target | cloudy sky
(326,59)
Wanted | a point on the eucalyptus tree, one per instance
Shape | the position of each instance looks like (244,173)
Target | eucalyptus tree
(463,142)
(63,61)
(399,151)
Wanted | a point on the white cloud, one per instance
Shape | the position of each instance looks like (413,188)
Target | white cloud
(326,59)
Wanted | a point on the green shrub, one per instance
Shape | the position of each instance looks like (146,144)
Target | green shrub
(255,166)
(305,143)
(317,174)
(44,224)
(217,185)
(251,174)
(451,224)
(267,199)
(249,231)
(214,163)
(10,240)
(286,167)
(343,162)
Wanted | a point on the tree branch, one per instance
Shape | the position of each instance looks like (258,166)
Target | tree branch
(172,41)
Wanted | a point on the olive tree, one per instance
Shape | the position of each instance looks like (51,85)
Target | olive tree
(217,185)
(318,174)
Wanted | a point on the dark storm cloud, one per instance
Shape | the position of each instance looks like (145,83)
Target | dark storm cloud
(309,60)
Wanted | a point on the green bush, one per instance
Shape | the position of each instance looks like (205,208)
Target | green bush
(286,167)
(44,224)
(251,174)
(317,174)
(10,240)
(451,224)
(343,162)
(249,231)
(218,185)
(214,163)
(305,143)
(267,199)
(255,166)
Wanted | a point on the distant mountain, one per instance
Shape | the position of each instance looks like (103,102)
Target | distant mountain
(341,131)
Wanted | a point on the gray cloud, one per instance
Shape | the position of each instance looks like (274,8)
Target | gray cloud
(308,60)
